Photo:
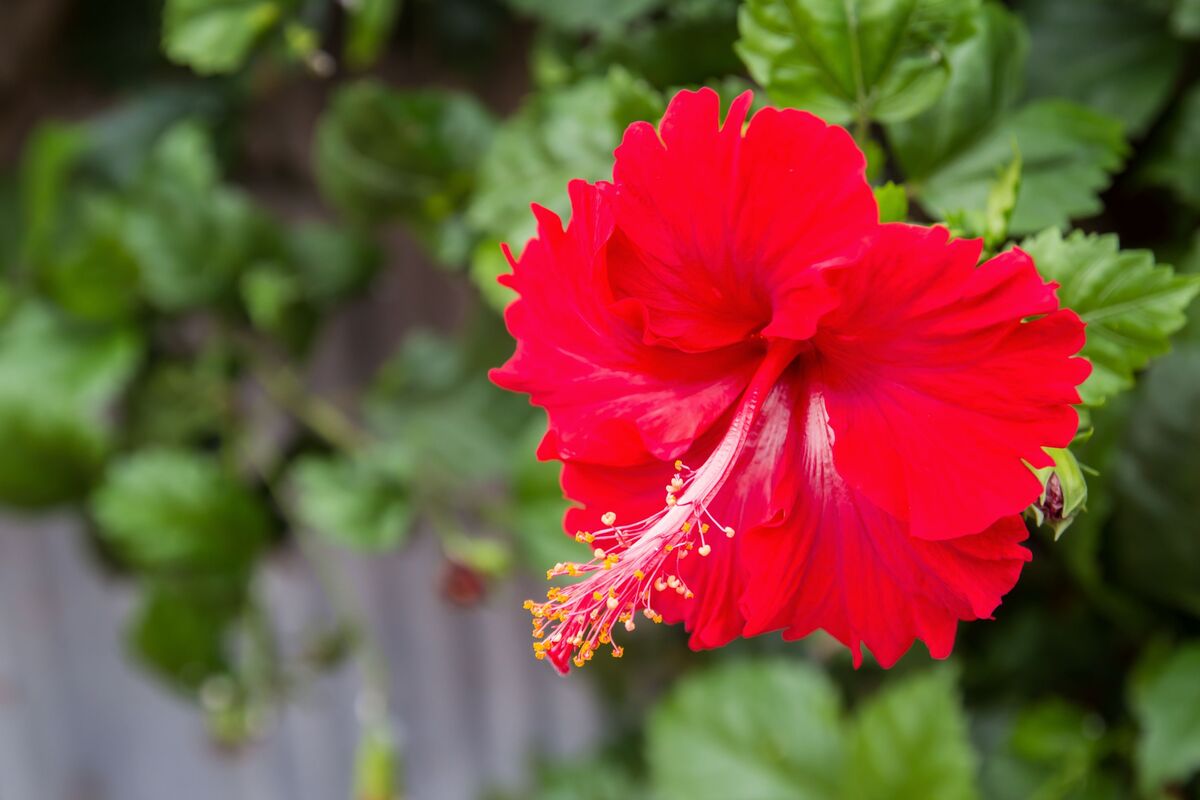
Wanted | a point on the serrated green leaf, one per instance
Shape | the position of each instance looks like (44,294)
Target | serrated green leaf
(1165,698)
(368,25)
(352,501)
(750,730)
(986,80)
(893,202)
(952,154)
(910,741)
(1069,153)
(555,137)
(216,36)
(57,384)
(383,154)
(1154,548)
(179,511)
(881,60)
(1131,306)
(1114,56)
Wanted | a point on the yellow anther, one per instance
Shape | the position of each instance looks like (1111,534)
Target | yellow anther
(589,537)
(604,637)
(637,573)
(648,613)
(671,501)
(685,527)
(580,536)
(540,656)
(617,652)
(528,604)
(597,595)
(704,550)
(573,570)
(704,527)
(688,595)
(668,548)
(678,465)
(608,517)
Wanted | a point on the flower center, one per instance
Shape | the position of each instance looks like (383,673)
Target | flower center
(633,565)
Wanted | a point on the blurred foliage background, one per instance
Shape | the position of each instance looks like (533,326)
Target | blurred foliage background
(193,188)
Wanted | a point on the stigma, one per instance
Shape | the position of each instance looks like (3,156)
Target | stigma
(635,565)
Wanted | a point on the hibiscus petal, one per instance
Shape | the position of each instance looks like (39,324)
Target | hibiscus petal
(841,563)
(938,384)
(721,233)
(611,398)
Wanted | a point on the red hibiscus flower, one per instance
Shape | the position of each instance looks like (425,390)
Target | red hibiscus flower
(774,412)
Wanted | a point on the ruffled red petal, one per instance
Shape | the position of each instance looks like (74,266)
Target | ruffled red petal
(723,233)
(942,379)
(841,563)
(611,398)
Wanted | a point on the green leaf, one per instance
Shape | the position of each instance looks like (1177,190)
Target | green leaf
(555,137)
(368,25)
(190,235)
(383,154)
(57,386)
(879,60)
(986,80)
(952,154)
(1174,159)
(1165,698)
(893,202)
(182,403)
(352,501)
(95,277)
(1154,547)
(330,263)
(1131,306)
(1185,19)
(179,511)
(216,36)
(46,166)
(585,16)
(1114,56)
(910,741)
(750,730)
(181,629)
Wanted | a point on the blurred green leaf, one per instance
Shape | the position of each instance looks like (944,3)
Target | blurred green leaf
(94,277)
(1154,547)
(217,36)
(368,25)
(1051,751)
(352,500)
(952,154)
(750,730)
(910,741)
(1130,305)
(383,154)
(555,137)
(605,780)
(176,511)
(378,766)
(1185,18)
(330,262)
(191,236)
(1165,698)
(585,16)
(1173,158)
(181,403)
(181,629)
(881,60)
(991,223)
(1114,56)
(46,167)
(57,386)
(893,202)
